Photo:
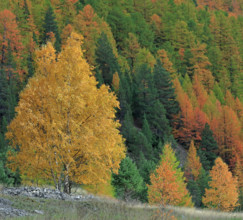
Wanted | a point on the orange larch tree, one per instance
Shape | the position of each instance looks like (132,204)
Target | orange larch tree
(222,194)
(167,64)
(200,92)
(193,164)
(10,38)
(168,185)
(192,119)
(227,132)
(200,120)
(200,64)
(185,125)
(88,23)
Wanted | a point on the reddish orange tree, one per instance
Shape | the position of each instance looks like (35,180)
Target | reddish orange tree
(10,38)
(222,194)
(227,132)
(191,121)
(186,120)
(200,92)
(168,185)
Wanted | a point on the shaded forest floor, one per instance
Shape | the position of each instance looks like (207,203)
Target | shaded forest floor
(104,209)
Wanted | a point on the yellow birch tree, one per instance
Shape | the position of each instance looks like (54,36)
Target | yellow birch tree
(65,126)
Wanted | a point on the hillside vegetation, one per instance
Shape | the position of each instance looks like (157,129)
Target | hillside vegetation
(141,100)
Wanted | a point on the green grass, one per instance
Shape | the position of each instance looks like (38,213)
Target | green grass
(107,209)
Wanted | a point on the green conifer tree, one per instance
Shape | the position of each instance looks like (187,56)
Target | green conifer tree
(159,124)
(128,183)
(165,90)
(105,59)
(125,95)
(50,25)
(208,148)
(218,93)
(144,91)
(146,130)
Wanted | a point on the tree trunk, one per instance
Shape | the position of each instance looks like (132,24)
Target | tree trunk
(67,185)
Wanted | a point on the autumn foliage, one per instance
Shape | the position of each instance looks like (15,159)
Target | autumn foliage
(64,123)
(222,194)
(167,182)
(177,63)
(10,39)
(193,165)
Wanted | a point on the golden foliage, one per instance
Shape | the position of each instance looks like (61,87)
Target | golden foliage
(193,165)
(222,194)
(65,125)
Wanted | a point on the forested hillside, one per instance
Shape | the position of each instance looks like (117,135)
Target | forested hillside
(176,68)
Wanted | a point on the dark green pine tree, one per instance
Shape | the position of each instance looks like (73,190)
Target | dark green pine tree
(159,124)
(146,130)
(3,93)
(8,101)
(197,187)
(106,60)
(144,91)
(50,25)
(127,128)
(3,129)
(136,140)
(165,90)
(208,148)
(145,167)
(142,144)
(125,95)
(26,10)
(8,88)
(195,192)
(3,176)
(120,24)
(128,183)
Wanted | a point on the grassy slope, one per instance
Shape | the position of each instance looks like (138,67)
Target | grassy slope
(108,210)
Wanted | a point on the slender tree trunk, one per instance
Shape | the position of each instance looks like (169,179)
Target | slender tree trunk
(67,185)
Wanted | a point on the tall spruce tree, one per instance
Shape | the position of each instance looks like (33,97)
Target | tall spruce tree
(146,130)
(145,167)
(128,183)
(208,148)
(3,93)
(50,25)
(8,101)
(125,95)
(105,59)
(159,124)
(165,90)
(145,93)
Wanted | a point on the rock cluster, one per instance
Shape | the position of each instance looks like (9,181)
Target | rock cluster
(6,209)
(45,193)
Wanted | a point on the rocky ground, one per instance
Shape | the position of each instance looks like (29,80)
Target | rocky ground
(6,209)
(45,203)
